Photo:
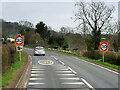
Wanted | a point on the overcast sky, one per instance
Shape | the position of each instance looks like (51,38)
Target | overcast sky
(54,14)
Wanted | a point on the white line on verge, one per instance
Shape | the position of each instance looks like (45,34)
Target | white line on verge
(86,83)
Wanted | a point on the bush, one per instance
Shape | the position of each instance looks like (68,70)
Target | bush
(93,55)
(110,57)
(8,56)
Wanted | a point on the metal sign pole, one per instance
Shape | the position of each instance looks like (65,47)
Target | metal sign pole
(20,55)
(103,56)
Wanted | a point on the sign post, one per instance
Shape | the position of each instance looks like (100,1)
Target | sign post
(103,48)
(19,42)
(103,56)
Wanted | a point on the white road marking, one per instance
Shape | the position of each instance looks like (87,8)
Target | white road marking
(37,71)
(61,69)
(71,78)
(61,62)
(36,74)
(45,62)
(55,58)
(105,68)
(73,83)
(37,78)
(66,74)
(86,83)
(37,67)
(72,70)
(99,66)
(52,56)
(35,83)
(64,71)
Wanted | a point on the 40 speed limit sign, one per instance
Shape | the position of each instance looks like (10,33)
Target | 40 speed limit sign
(104,46)
(19,40)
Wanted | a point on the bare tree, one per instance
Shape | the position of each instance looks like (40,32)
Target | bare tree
(96,16)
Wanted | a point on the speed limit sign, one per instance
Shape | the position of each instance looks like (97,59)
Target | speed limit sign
(19,40)
(103,46)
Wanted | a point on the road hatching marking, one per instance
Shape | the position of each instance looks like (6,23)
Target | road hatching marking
(73,83)
(86,83)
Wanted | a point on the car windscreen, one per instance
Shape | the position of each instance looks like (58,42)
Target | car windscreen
(39,48)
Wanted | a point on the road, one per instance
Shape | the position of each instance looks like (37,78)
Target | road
(57,71)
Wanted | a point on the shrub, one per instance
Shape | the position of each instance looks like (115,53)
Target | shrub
(92,54)
(110,57)
(8,56)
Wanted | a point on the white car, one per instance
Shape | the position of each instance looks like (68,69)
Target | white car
(39,51)
(11,40)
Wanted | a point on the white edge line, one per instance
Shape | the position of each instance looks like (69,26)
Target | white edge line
(72,70)
(87,83)
(99,66)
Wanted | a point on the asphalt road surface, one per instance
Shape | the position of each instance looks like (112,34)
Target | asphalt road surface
(58,71)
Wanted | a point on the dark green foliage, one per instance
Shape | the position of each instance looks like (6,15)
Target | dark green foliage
(89,44)
(96,38)
(93,41)
(41,28)
(65,45)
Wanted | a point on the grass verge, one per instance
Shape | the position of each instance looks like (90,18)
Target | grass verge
(8,75)
(93,60)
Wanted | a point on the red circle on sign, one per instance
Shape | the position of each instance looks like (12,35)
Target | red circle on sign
(106,45)
(21,42)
